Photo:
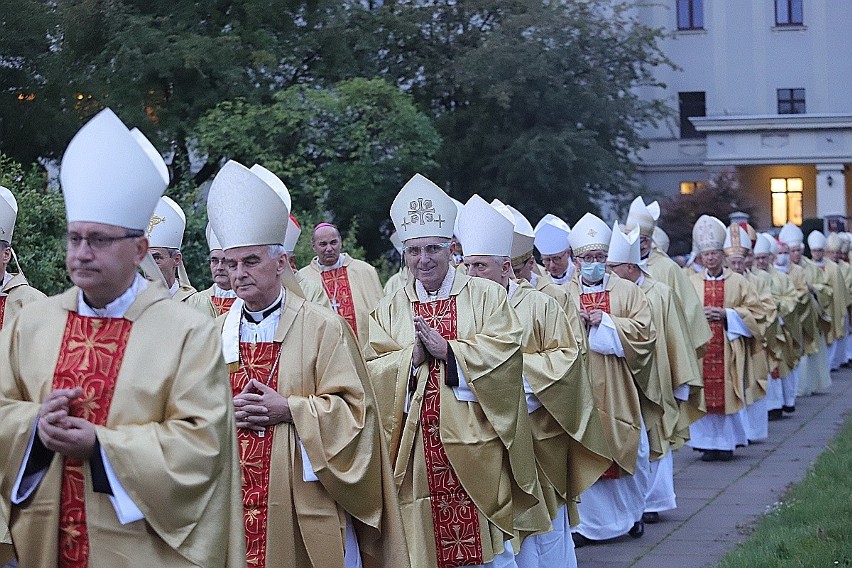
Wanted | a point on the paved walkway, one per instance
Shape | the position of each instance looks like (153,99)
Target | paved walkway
(719,502)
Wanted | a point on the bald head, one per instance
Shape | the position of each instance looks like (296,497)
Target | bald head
(326,243)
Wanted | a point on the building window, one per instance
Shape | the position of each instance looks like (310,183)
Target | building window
(690,187)
(788,12)
(791,101)
(786,201)
(690,14)
(691,104)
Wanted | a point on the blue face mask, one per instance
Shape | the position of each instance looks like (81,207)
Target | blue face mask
(593,271)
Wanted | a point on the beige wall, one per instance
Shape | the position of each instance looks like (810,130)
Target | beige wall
(754,184)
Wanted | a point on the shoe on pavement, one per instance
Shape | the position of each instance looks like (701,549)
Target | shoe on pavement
(710,455)
(637,530)
(775,414)
(724,455)
(651,518)
(580,540)
(788,408)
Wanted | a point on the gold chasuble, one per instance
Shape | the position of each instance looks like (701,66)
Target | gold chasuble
(353,290)
(724,367)
(296,513)
(570,445)
(153,387)
(617,381)
(840,300)
(464,465)
(184,293)
(14,295)
(675,366)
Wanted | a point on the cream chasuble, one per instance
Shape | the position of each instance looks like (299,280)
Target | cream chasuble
(313,291)
(14,295)
(726,393)
(786,346)
(298,510)
(823,291)
(570,445)
(397,281)
(544,283)
(616,380)
(664,269)
(479,434)
(184,292)
(840,300)
(676,368)
(808,308)
(760,347)
(167,432)
(353,289)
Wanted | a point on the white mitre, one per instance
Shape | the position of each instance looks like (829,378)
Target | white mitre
(485,231)
(397,244)
(763,244)
(791,235)
(422,209)
(294,231)
(212,241)
(551,235)
(459,206)
(816,240)
(523,237)
(661,239)
(589,233)
(244,210)
(833,242)
(111,175)
(643,216)
(8,214)
(624,247)
(737,242)
(708,233)
(167,224)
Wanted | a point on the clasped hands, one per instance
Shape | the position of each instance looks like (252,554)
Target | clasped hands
(259,406)
(427,340)
(592,318)
(62,433)
(715,314)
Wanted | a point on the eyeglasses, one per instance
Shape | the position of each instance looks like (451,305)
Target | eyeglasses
(95,241)
(214,261)
(429,250)
(592,258)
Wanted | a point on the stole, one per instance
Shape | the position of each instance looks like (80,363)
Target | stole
(713,364)
(336,284)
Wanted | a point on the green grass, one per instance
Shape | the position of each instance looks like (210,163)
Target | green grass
(812,526)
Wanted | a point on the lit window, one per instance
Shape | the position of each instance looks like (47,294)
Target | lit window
(690,187)
(788,13)
(786,201)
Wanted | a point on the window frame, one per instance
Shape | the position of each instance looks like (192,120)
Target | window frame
(687,129)
(693,23)
(790,197)
(792,100)
(789,6)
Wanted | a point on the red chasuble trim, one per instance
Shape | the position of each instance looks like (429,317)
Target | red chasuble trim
(713,365)
(2,309)
(90,358)
(600,301)
(455,520)
(258,361)
(336,284)
(222,305)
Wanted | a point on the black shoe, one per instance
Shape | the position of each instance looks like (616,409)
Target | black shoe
(724,455)
(637,530)
(775,414)
(580,540)
(650,518)
(710,455)
(788,408)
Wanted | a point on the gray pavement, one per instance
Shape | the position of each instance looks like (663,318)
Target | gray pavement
(719,502)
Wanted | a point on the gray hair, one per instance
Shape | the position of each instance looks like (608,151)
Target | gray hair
(275,251)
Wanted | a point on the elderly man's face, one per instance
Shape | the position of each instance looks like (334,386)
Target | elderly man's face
(326,244)
(817,255)
(524,270)
(218,269)
(5,256)
(167,260)
(645,244)
(763,260)
(796,254)
(255,275)
(556,264)
(737,264)
(491,268)
(428,258)
(102,259)
(712,260)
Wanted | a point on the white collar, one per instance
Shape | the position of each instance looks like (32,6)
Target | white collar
(338,264)
(220,293)
(118,307)
(596,287)
(174,289)
(708,277)
(569,272)
(640,280)
(443,291)
(513,287)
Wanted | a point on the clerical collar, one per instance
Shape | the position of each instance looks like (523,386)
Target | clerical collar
(174,289)
(257,317)
(721,275)
(599,287)
(569,272)
(118,307)
(6,278)
(221,293)
(338,264)
(781,268)
(513,287)
(820,263)
(533,278)
(640,280)
(443,291)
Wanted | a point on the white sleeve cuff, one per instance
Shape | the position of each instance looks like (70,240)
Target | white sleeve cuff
(24,486)
(463,391)
(736,325)
(125,509)
(604,338)
(533,403)
(308,473)
(682,392)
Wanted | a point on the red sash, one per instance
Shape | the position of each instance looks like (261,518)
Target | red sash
(600,301)
(222,305)
(257,362)
(713,364)
(2,309)
(336,284)
(455,520)
(90,358)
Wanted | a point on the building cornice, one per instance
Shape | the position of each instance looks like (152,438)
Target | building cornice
(763,122)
